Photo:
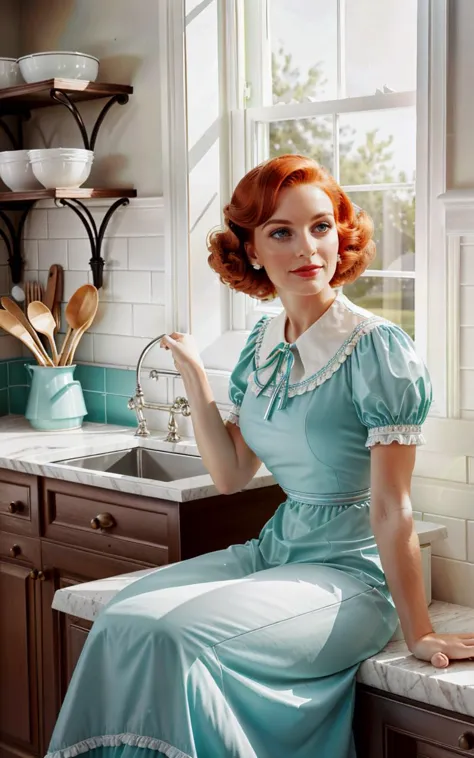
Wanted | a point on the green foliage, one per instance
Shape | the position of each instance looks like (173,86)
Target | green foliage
(361,161)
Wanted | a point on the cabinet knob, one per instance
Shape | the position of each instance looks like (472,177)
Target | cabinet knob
(15,506)
(34,574)
(103,521)
(15,551)
(466,741)
(41,576)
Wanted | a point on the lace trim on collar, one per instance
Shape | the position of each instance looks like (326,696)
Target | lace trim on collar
(321,376)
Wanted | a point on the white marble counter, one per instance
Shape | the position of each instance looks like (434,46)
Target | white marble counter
(393,670)
(31,452)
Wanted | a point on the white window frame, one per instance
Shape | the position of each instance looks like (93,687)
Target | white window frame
(431,313)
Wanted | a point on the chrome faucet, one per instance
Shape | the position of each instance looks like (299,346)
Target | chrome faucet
(138,402)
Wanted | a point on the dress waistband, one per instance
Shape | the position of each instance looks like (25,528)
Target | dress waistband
(335,498)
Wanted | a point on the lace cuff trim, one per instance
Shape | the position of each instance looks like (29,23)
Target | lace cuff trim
(118,740)
(233,415)
(404,435)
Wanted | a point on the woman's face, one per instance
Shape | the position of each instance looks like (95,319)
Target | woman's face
(298,245)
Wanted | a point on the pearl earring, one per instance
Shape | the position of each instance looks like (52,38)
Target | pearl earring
(256,266)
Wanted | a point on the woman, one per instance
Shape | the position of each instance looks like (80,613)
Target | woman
(252,652)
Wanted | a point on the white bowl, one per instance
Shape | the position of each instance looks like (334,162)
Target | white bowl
(9,73)
(67,170)
(58,65)
(16,171)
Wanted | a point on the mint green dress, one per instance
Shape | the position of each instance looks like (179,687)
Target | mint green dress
(252,652)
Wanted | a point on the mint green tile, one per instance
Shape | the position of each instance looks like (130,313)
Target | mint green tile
(119,381)
(3,375)
(17,397)
(4,402)
(17,373)
(95,404)
(92,378)
(118,412)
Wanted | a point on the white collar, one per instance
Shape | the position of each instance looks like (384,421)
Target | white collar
(325,343)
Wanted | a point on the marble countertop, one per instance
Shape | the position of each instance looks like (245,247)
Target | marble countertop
(393,670)
(26,450)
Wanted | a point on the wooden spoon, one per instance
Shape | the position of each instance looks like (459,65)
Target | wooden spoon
(77,338)
(80,309)
(11,325)
(43,321)
(16,311)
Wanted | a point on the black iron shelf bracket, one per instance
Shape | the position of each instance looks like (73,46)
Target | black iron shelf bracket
(96,235)
(63,99)
(12,238)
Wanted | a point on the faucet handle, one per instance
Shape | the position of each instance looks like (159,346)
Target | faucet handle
(154,374)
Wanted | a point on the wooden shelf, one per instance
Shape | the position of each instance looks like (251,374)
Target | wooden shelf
(83,193)
(25,97)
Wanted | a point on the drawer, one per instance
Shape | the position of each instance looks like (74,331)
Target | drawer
(18,502)
(21,549)
(136,528)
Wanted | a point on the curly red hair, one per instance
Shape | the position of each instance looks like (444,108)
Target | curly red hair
(254,201)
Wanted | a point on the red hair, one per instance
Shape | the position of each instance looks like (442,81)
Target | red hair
(254,201)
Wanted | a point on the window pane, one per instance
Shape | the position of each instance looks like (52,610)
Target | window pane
(393,214)
(380,46)
(304,49)
(391,298)
(377,146)
(308,136)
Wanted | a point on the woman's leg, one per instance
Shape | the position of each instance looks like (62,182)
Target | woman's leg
(257,667)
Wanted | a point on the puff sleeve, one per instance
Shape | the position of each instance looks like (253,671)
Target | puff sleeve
(391,387)
(240,374)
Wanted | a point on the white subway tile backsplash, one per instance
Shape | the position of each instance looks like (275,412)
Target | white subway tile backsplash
(72,281)
(120,350)
(148,320)
(30,254)
(52,251)
(435,497)
(113,318)
(452,581)
(137,222)
(470,541)
(115,253)
(85,350)
(470,471)
(78,255)
(455,544)
(441,466)
(36,225)
(158,288)
(146,253)
(63,223)
(128,287)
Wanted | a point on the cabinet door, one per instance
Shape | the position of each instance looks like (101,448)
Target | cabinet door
(63,636)
(387,726)
(19,652)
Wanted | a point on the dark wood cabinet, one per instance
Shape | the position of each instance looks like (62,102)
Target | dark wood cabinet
(387,726)
(54,534)
(20,633)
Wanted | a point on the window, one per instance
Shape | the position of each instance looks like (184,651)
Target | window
(332,80)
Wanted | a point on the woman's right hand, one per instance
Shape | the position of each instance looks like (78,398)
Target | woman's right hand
(184,351)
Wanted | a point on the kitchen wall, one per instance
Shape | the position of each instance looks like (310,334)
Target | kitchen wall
(443,488)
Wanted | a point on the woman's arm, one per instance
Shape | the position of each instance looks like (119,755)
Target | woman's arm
(229,460)
(397,540)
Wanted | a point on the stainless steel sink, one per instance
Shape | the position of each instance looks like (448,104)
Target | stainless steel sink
(143,464)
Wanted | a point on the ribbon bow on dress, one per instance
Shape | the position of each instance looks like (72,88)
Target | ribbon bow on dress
(284,360)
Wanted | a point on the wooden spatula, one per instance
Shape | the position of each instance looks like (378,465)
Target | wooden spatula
(51,285)
(58,297)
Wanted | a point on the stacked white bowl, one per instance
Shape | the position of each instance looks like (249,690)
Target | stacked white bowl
(61,167)
(9,73)
(58,64)
(16,171)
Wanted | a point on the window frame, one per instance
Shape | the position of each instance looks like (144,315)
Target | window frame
(432,322)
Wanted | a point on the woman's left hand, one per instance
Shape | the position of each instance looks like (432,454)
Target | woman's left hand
(439,649)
